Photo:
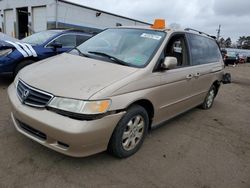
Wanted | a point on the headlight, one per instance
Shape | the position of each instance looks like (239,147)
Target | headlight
(80,106)
(16,81)
(5,52)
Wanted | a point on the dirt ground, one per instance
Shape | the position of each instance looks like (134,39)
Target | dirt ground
(200,149)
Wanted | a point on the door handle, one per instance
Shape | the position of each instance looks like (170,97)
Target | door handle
(197,75)
(189,76)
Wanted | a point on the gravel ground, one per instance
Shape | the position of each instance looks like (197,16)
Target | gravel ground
(199,149)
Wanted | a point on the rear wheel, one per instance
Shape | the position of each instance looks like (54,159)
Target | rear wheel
(209,100)
(129,133)
(21,65)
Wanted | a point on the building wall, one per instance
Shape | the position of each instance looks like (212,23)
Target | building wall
(66,15)
(14,4)
(1,19)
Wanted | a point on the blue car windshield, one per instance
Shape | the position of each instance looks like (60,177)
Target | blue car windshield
(39,38)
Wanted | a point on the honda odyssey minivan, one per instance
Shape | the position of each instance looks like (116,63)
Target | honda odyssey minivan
(108,92)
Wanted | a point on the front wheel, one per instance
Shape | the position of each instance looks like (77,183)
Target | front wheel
(129,133)
(209,100)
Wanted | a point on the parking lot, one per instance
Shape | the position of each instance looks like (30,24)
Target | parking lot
(203,149)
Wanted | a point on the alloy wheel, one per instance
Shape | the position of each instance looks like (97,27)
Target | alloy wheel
(133,133)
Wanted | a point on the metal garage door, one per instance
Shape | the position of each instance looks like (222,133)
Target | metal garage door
(39,18)
(9,22)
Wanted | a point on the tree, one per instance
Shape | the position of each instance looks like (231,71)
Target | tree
(222,42)
(244,42)
(228,42)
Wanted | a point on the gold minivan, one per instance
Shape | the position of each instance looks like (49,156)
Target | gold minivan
(108,92)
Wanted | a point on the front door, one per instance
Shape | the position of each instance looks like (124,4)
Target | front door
(68,41)
(22,22)
(174,93)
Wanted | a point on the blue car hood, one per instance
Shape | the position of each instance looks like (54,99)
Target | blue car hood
(9,42)
(4,38)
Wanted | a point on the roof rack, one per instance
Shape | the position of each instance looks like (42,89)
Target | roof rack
(200,32)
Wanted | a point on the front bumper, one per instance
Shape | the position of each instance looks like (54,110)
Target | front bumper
(6,64)
(68,136)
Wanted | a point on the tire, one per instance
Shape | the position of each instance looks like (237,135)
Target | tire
(226,78)
(129,133)
(21,65)
(209,100)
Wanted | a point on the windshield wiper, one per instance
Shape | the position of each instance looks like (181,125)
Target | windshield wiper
(114,59)
(80,53)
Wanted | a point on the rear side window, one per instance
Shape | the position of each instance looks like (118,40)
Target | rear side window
(203,50)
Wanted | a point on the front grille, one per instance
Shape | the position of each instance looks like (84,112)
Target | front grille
(32,131)
(31,96)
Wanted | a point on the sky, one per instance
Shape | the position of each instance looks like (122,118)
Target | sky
(206,16)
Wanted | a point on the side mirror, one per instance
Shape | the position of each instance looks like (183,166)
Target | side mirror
(169,63)
(56,45)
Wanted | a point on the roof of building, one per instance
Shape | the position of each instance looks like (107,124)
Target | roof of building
(98,10)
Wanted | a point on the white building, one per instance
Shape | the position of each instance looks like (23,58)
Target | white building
(19,18)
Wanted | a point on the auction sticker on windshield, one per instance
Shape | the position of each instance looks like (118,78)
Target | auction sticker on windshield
(151,36)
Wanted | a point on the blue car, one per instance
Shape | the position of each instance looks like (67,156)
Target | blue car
(16,54)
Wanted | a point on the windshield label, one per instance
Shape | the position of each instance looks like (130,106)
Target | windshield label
(151,36)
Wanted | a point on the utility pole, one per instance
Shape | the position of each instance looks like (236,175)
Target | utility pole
(56,13)
(218,33)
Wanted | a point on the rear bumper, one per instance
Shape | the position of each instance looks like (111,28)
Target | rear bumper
(68,136)
(230,61)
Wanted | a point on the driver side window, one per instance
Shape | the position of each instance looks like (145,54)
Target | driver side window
(67,41)
(177,48)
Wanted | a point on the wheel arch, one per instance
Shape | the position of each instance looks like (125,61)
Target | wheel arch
(25,59)
(19,66)
(217,86)
(147,105)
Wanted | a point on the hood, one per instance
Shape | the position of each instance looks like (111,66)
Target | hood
(73,76)
(23,48)
(4,38)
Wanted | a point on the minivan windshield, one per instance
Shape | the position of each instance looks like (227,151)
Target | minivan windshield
(40,38)
(131,47)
